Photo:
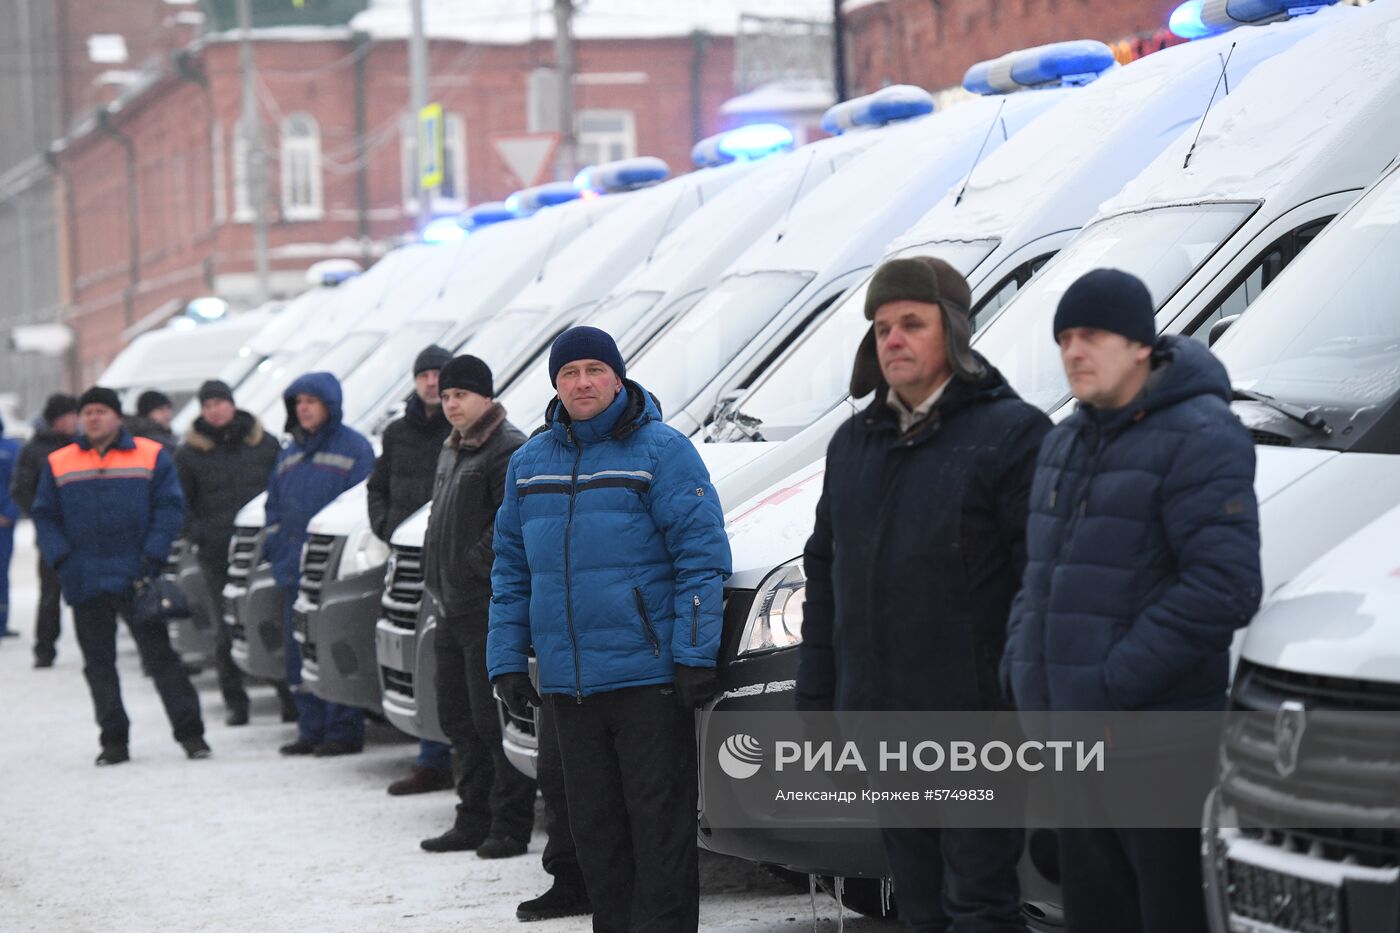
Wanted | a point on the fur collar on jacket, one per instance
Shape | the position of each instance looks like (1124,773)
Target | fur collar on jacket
(476,436)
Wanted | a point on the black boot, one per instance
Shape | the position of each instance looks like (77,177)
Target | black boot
(454,840)
(561,900)
(112,755)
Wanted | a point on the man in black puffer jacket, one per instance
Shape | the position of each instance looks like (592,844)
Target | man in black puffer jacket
(402,482)
(1143,560)
(225,461)
(60,428)
(914,560)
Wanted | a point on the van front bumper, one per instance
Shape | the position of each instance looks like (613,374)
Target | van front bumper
(342,629)
(1262,881)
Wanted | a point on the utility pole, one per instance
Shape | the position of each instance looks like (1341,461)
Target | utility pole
(418,99)
(565,155)
(255,166)
(838,40)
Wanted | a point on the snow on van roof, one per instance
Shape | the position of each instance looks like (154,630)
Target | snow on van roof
(517,21)
(1322,100)
(1114,123)
(885,176)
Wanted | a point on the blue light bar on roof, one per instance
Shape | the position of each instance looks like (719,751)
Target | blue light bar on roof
(755,141)
(896,102)
(484,215)
(1196,19)
(622,175)
(529,200)
(1076,62)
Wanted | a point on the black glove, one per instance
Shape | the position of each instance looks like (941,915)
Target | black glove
(517,693)
(695,686)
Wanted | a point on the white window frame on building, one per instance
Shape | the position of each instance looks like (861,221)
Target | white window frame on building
(299,144)
(451,196)
(605,136)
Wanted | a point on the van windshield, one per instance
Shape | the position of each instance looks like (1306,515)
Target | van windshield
(1163,247)
(1326,333)
(388,367)
(338,360)
(813,378)
(684,358)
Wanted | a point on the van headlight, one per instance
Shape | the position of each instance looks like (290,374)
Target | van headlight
(363,552)
(775,621)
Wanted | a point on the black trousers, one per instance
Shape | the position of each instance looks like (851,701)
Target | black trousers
(96,625)
(1132,880)
(560,858)
(630,775)
(1129,880)
(493,797)
(957,880)
(215,571)
(50,605)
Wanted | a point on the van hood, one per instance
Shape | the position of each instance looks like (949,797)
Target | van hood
(253,514)
(412,530)
(1278,467)
(346,514)
(772,528)
(1340,616)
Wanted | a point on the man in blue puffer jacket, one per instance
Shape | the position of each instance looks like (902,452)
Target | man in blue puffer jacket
(1142,561)
(324,459)
(610,562)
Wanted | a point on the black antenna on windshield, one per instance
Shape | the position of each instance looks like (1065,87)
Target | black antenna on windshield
(1224,78)
(977,161)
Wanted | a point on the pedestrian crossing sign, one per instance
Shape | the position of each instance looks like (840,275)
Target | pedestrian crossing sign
(430,147)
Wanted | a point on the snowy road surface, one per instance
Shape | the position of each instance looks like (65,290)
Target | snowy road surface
(248,840)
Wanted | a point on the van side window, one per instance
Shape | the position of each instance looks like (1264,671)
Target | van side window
(1000,296)
(1257,277)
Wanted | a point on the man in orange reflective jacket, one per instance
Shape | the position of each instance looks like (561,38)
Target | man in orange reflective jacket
(108,507)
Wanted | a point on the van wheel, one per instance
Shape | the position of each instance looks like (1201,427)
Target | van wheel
(862,895)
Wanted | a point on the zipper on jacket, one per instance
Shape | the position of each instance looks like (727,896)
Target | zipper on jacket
(646,621)
(568,577)
(695,620)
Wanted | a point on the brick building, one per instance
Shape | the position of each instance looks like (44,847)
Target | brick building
(153,189)
(59,59)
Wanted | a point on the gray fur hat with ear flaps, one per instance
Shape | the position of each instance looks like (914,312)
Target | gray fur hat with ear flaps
(931,281)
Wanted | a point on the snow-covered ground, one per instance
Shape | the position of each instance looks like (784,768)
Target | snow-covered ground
(248,840)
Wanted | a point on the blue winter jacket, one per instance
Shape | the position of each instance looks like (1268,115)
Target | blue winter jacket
(1142,549)
(103,518)
(310,472)
(9,458)
(610,553)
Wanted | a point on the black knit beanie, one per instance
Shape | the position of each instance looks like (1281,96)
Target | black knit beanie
(584,343)
(1111,300)
(150,400)
(432,357)
(100,395)
(466,372)
(58,405)
(213,389)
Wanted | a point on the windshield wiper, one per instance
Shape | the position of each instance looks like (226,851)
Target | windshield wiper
(1307,417)
(728,415)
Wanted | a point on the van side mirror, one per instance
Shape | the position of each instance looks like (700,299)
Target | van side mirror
(1219,328)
